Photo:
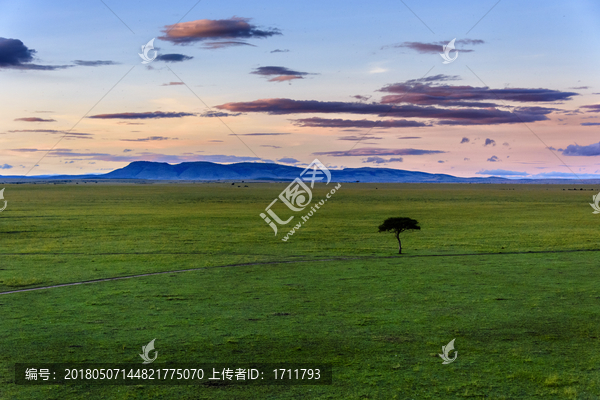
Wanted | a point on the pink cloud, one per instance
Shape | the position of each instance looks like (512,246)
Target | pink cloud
(222,29)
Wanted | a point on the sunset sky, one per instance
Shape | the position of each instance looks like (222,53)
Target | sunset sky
(354,84)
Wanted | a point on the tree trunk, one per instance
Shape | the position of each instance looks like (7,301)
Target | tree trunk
(399,247)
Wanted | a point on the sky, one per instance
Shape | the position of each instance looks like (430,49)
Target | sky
(353,84)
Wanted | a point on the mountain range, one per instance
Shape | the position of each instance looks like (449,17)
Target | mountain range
(208,171)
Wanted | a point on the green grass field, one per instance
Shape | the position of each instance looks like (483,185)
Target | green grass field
(510,271)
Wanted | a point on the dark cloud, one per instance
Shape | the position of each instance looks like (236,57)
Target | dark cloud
(263,134)
(409,137)
(381,160)
(218,114)
(590,123)
(424,98)
(144,115)
(78,136)
(434,78)
(370,151)
(14,54)
(493,159)
(220,33)
(436,47)
(501,172)
(505,144)
(358,138)
(429,80)
(414,92)
(280,106)
(272,70)
(464,140)
(490,142)
(577,150)
(288,106)
(216,141)
(71,135)
(149,139)
(364,123)
(494,116)
(441,162)
(173,84)
(488,116)
(592,108)
(29,150)
(421,47)
(280,51)
(35,119)
(469,41)
(37,67)
(579,87)
(36,130)
(569,112)
(270,145)
(127,150)
(97,63)
(361,98)
(6,166)
(224,44)
(288,160)
(173,57)
(281,74)
(375,160)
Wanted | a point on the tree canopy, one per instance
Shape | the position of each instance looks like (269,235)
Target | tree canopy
(397,226)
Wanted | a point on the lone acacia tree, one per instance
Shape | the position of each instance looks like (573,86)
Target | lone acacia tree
(397,226)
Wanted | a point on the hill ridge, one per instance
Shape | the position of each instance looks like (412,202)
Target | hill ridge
(210,171)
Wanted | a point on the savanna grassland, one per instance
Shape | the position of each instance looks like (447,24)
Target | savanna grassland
(511,271)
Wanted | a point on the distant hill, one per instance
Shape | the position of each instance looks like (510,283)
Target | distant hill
(208,171)
(272,172)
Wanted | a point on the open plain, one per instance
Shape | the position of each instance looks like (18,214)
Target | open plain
(509,271)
